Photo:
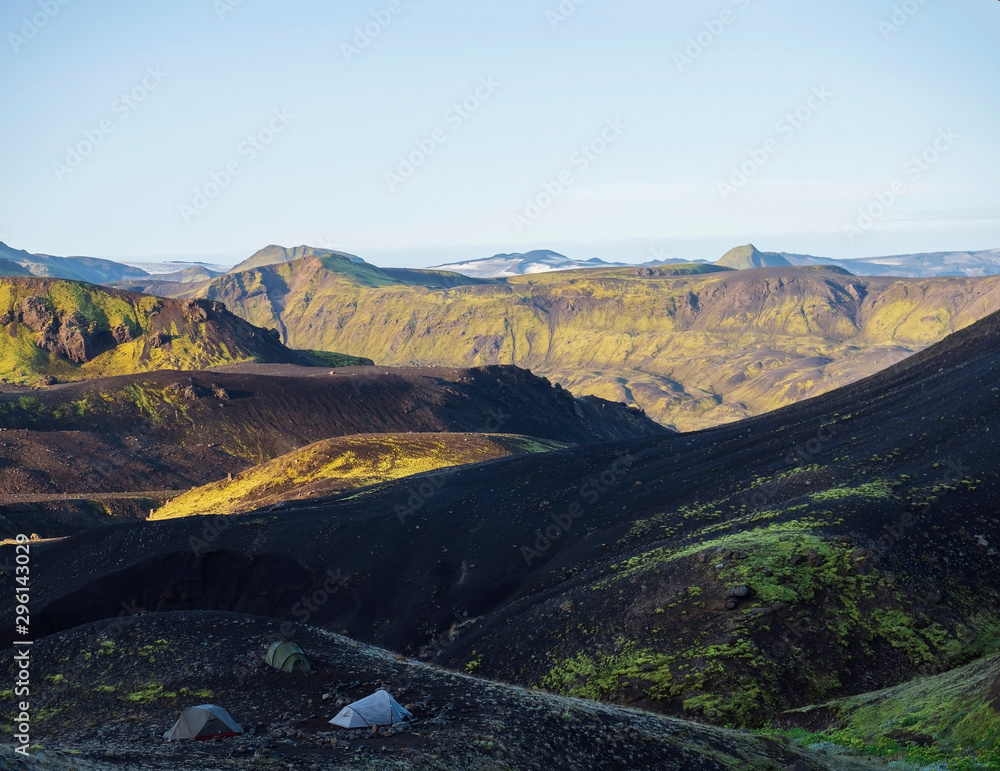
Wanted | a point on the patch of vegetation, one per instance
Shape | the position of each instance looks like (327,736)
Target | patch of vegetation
(151,692)
(795,589)
(335,360)
(879,489)
(203,693)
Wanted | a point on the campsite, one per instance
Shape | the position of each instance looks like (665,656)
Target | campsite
(160,663)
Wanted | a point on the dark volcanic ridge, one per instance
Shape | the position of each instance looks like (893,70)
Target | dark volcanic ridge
(174,430)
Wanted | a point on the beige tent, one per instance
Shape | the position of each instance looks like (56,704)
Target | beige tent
(287,657)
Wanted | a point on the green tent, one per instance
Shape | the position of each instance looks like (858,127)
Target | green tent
(287,657)
(205,721)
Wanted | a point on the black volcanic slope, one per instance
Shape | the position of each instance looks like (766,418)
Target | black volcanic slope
(836,546)
(256,412)
(173,430)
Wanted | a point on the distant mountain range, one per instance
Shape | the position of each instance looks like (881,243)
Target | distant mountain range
(94,270)
(17,262)
(983,263)
(926,265)
(693,344)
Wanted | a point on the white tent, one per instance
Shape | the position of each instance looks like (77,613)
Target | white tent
(203,722)
(378,709)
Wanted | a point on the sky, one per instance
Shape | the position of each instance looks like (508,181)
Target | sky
(417,132)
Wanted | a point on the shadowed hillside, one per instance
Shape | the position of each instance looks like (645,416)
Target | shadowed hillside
(694,346)
(170,431)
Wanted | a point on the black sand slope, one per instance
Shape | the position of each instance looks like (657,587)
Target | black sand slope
(835,546)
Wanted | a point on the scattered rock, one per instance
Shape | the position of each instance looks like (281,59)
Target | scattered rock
(122,334)
(196,391)
(158,340)
(861,559)
(815,558)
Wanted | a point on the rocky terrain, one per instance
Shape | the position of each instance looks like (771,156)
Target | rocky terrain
(108,691)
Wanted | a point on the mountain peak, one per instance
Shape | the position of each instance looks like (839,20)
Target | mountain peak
(274,254)
(749,256)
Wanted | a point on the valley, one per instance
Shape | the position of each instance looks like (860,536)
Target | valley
(692,345)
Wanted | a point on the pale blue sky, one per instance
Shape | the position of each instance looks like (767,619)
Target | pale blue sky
(654,190)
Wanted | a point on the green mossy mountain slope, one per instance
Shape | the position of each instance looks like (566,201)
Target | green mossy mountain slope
(951,718)
(694,346)
(65,330)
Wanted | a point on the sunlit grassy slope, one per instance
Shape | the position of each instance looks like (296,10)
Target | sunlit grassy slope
(693,345)
(345,463)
